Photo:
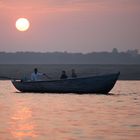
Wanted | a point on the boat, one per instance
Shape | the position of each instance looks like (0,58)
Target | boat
(92,84)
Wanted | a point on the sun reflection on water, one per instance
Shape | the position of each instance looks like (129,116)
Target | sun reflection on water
(21,123)
(70,117)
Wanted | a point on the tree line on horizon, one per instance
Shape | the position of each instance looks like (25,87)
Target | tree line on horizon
(113,57)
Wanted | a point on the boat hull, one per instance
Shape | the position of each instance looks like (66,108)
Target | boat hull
(95,84)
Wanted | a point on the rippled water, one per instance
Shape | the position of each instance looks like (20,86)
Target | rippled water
(70,117)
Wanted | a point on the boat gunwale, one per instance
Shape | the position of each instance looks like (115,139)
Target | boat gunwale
(101,90)
(69,79)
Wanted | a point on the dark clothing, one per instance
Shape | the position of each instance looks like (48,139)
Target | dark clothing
(74,75)
(63,76)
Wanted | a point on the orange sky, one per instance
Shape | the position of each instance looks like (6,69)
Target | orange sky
(70,25)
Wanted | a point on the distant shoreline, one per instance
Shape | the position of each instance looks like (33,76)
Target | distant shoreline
(114,57)
(128,71)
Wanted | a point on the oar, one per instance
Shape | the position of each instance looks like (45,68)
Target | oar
(47,76)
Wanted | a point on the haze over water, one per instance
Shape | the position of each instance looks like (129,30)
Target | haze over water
(70,117)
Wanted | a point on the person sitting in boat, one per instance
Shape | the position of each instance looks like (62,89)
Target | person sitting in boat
(37,76)
(63,75)
(73,74)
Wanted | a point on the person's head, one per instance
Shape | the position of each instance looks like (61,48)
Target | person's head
(63,72)
(35,70)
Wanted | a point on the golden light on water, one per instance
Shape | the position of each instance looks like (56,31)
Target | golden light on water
(22,126)
(22,24)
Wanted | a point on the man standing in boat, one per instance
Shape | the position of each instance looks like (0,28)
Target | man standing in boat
(37,76)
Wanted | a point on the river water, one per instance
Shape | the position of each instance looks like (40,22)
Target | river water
(27,116)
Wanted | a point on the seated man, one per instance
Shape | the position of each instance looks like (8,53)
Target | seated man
(73,74)
(63,75)
(36,76)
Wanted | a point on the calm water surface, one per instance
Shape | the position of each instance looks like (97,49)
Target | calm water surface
(70,117)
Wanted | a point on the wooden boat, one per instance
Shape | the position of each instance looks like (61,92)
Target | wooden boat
(94,84)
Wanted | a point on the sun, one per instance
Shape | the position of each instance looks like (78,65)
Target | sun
(22,24)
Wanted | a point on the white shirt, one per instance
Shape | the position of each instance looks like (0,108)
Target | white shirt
(36,76)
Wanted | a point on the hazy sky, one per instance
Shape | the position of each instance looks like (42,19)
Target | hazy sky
(70,25)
